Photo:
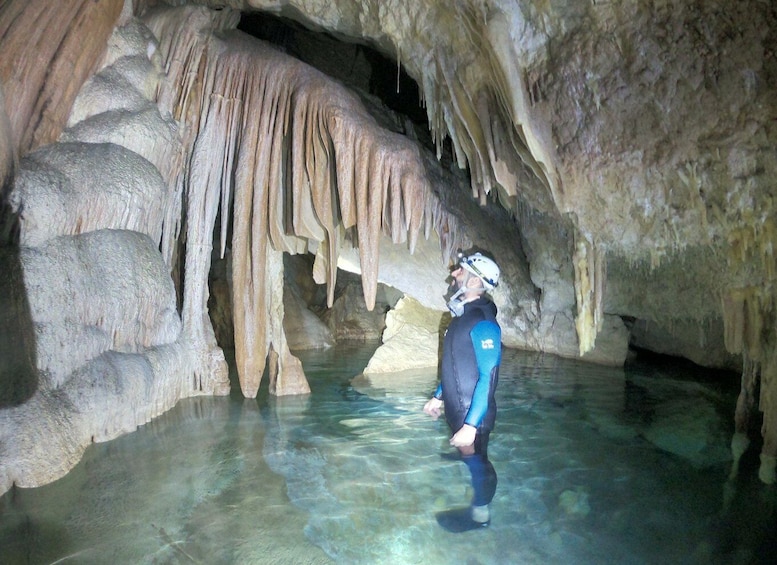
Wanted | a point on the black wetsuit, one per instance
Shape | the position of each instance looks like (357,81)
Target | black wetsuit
(472,351)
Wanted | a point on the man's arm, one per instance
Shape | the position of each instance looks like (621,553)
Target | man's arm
(433,405)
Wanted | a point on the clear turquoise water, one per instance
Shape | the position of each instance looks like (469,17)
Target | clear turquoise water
(596,465)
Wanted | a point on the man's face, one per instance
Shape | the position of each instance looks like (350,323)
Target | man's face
(459,277)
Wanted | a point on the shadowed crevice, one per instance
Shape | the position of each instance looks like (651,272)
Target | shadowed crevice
(18,376)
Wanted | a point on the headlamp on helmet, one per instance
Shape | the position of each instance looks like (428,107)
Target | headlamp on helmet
(483,267)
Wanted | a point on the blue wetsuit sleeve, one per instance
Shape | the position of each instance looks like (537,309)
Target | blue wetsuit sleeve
(487,340)
(438,392)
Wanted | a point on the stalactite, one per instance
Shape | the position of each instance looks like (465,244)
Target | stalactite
(182,36)
(429,99)
(590,275)
(486,131)
(750,323)
(457,130)
(369,208)
(304,163)
(734,317)
(249,252)
(321,173)
(415,208)
(474,145)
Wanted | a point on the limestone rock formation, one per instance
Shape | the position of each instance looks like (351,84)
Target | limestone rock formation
(616,158)
(411,339)
(106,349)
(304,329)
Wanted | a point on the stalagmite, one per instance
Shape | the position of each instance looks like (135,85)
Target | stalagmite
(286,375)
(306,164)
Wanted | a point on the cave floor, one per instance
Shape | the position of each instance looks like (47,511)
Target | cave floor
(596,465)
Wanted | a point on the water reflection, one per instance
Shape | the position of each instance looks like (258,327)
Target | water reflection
(596,465)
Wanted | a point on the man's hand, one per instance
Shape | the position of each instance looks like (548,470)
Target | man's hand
(432,407)
(464,437)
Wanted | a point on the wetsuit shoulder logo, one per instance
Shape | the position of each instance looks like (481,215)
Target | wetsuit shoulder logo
(487,343)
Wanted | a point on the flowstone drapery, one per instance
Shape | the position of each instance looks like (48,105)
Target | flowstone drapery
(296,163)
(42,94)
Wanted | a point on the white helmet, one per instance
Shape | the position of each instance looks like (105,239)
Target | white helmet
(483,267)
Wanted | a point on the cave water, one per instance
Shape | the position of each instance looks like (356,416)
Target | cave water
(595,465)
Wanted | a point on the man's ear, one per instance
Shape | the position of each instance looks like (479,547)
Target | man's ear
(473,282)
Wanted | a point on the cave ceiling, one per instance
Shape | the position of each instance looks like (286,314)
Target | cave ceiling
(646,126)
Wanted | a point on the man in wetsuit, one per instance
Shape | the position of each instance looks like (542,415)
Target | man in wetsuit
(471,354)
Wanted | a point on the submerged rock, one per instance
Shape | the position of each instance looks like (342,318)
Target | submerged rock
(692,429)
